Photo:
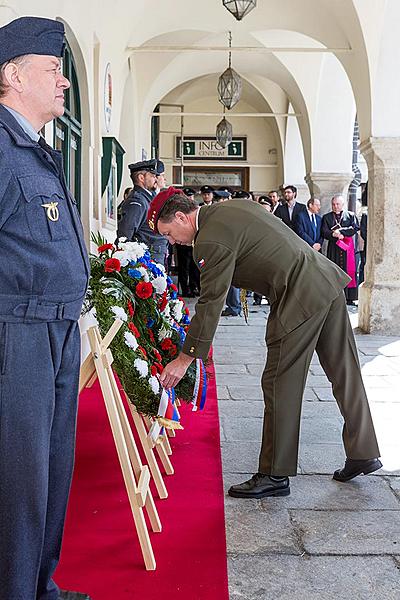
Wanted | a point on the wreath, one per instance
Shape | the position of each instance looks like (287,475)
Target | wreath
(126,284)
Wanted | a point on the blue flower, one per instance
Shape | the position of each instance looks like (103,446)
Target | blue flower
(174,295)
(169,280)
(134,273)
(150,323)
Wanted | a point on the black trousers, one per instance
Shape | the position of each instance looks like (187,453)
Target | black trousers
(188,273)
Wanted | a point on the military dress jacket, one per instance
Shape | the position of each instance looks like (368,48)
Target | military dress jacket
(134,225)
(240,243)
(44,266)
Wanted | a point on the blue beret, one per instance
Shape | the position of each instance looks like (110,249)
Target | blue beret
(31,35)
(144,165)
(222,194)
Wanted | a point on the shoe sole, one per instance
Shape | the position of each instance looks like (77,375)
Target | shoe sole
(367,471)
(275,493)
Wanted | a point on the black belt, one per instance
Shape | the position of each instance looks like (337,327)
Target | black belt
(31,309)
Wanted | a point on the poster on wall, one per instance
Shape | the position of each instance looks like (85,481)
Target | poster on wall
(107,96)
(207,148)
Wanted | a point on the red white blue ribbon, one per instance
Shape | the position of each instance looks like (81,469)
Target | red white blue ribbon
(167,410)
(200,386)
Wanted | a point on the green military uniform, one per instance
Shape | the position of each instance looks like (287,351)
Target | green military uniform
(240,243)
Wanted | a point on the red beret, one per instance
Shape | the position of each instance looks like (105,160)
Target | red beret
(157,204)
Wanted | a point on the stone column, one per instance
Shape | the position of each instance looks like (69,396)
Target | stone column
(379,295)
(325,185)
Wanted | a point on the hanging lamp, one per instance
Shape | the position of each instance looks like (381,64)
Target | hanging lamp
(229,84)
(239,8)
(224,132)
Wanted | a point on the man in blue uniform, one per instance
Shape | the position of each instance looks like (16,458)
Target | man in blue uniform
(43,272)
(133,224)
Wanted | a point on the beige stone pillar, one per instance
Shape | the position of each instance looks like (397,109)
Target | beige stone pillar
(325,185)
(379,295)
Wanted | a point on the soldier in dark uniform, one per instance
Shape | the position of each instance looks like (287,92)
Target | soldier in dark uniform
(133,223)
(44,273)
(241,243)
(207,195)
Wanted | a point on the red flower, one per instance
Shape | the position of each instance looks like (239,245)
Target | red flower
(134,330)
(157,354)
(151,336)
(159,367)
(173,350)
(153,370)
(131,310)
(143,351)
(173,287)
(144,290)
(104,247)
(112,264)
(186,310)
(166,344)
(163,301)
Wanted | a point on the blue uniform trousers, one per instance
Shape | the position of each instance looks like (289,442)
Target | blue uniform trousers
(38,401)
(233,300)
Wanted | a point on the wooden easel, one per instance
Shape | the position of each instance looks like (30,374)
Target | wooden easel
(136,475)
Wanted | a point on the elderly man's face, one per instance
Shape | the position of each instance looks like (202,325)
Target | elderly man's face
(337,204)
(42,85)
(207,198)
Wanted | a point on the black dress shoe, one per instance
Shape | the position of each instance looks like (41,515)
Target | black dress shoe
(64,595)
(352,468)
(261,486)
(228,313)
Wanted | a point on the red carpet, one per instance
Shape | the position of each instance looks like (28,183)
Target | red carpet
(101,554)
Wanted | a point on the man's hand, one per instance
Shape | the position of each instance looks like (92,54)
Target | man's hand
(317,247)
(175,370)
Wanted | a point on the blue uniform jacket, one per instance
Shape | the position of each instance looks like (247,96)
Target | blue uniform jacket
(44,267)
(304,228)
(134,225)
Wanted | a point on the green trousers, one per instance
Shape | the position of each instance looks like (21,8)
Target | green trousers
(330,334)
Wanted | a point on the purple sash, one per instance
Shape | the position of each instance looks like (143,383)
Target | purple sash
(347,244)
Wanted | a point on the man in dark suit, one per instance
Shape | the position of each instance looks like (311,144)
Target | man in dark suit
(289,210)
(239,243)
(307,225)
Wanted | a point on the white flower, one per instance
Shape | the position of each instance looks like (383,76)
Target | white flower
(159,284)
(130,340)
(131,250)
(166,312)
(163,333)
(119,313)
(144,273)
(177,310)
(154,384)
(122,256)
(141,366)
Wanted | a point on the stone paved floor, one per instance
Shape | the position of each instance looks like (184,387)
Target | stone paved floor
(326,540)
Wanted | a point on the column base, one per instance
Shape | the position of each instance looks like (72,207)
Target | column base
(379,308)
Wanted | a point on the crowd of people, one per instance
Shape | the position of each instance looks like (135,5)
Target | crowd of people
(339,228)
